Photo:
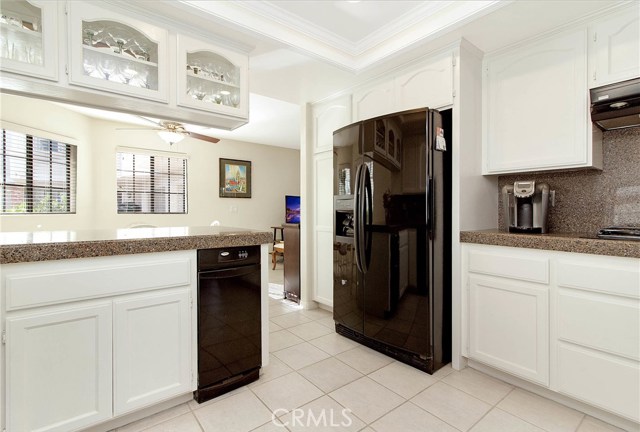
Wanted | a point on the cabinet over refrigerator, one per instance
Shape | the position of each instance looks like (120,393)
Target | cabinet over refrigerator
(392,278)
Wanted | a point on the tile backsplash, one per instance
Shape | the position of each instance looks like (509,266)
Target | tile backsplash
(587,200)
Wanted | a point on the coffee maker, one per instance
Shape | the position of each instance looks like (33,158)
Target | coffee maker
(526,206)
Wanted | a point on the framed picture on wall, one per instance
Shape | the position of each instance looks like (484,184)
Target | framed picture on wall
(235,178)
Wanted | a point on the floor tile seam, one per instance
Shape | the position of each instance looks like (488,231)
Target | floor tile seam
(332,355)
(386,412)
(470,394)
(475,397)
(393,391)
(172,418)
(281,349)
(581,421)
(314,338)
(295,408)
(345,363)
(159,423)
(432,414)
(483,416)
(264,404)
(538,426)
(307,365)
(288,411)
(350,410)
(527,421)
(435,415)
(200,425)
(291,346)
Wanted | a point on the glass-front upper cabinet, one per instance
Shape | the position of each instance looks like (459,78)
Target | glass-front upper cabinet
(116,53)
(212,78)
(29,38)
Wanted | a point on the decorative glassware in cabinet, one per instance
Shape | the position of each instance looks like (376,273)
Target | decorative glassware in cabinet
(213,79)
(28,38)
(116,53)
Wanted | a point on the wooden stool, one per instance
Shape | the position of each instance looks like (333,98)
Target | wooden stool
(278,249)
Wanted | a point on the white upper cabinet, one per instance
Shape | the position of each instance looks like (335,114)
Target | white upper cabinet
(373,101)
(212,78)
(114,52)
(536,108)
(327,118)
(430,85)
(29,38)
(614,47)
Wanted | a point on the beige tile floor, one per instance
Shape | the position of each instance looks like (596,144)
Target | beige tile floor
(314,375)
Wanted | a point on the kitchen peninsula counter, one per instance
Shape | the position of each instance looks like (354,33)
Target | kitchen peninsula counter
(18,247)
(563,242)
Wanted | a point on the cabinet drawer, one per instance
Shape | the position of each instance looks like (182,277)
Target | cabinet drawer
(618,276)
(605,381)
(527,268)
(607,323)
(98,277)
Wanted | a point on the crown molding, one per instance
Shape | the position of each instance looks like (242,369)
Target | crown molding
(422,24)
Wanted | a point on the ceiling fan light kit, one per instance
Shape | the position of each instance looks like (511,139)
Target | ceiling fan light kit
(170,137)
(173,132)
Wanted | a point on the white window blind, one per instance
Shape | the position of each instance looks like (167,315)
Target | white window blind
(38,174)
(151,183)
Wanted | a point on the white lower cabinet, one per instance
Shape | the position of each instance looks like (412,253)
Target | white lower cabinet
(58,368)
(151,349)
(509,326)
(568,321)
(78,354)
(597,344)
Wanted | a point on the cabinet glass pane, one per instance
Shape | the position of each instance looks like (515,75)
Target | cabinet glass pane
(115,52)
(212,78)
(21,32)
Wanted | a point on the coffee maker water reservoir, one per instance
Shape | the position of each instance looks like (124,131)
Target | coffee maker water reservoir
(526,206)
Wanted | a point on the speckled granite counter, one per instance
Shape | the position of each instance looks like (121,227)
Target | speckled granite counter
(557,242)
(17,247)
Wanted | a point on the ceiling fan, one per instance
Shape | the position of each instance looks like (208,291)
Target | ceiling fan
(172,132)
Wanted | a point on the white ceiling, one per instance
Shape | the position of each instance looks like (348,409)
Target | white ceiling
(304,51)
(351,34)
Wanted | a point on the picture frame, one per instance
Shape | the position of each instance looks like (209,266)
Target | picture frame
(235,178)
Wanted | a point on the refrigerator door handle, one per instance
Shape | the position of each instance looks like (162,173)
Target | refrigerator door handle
(367,215)
(428,204)
(430,207)
(357,216)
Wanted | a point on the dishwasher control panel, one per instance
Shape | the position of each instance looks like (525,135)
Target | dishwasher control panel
(228,257)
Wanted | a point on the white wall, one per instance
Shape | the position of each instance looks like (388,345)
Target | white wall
(275,173)
(48,120)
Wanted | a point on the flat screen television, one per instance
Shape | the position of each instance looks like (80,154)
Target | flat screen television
(292,209)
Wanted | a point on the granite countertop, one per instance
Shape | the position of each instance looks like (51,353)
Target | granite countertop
(18,247)
(570,242)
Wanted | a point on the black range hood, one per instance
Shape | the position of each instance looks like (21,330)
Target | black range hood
(616,106)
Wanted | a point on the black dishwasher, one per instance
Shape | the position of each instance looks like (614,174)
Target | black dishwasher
(229,325)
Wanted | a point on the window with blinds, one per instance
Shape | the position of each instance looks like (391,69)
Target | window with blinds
(38,174)
(151,183)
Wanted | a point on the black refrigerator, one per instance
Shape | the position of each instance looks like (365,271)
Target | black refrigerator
(392,235)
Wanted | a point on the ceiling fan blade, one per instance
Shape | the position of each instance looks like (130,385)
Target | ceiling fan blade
(141,128)
(159,124)
(203,137)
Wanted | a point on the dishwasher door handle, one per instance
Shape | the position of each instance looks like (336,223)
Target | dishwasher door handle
(228,273)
